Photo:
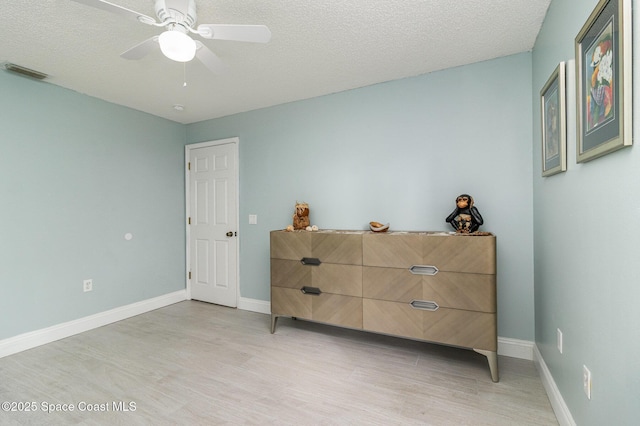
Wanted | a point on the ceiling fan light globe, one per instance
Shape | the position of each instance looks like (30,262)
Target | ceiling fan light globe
(177,46)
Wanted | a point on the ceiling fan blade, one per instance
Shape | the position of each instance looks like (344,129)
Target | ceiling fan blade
(209,59)
(118,10)
(251,33)
(141,50)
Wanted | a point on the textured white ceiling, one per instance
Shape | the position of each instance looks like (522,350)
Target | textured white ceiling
(317,48)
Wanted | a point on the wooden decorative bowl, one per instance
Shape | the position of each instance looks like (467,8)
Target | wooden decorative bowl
(378,227)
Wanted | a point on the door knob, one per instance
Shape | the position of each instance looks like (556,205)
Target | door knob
(229,234)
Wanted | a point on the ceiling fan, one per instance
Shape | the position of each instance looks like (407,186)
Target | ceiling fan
(178,18)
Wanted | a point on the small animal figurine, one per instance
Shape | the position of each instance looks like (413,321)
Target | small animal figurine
(465,218)
(301,217)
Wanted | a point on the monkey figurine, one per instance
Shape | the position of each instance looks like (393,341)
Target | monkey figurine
(465,218)
(301,217)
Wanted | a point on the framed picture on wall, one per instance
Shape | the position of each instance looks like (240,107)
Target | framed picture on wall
(553,116)
(604,81)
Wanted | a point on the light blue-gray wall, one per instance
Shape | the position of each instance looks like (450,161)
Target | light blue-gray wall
(586,227)
(398,152)
(76,175)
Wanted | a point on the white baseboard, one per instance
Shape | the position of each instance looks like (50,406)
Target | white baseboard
(32,339)
(254,305)
(514,348)
(557,402)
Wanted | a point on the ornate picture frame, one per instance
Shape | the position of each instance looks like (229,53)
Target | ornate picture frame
(553,114)
(604,81)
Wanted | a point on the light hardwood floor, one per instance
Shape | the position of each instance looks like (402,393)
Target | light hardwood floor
(196,363)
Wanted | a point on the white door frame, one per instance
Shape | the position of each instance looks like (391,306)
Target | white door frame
(187,155)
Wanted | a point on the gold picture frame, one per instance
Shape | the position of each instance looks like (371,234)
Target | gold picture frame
(604,81)
(553,109)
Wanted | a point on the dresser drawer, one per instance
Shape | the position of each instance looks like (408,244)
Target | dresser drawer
(457,327)
(394,318)
(337,247)
(458,253)
(454,253)
(290,245)
(329,278)
(290,274)
(326,246)
(391,284)
(290,302)
(474,292)
(336,309)
(337,279)
(392,250)
(345,311)
(450,326)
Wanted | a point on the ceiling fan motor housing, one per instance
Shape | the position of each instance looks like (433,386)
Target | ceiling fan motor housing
(169,10)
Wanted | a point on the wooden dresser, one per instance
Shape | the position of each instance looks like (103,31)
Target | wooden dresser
(430,286)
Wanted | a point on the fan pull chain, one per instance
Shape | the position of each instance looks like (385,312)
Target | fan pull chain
(184,64)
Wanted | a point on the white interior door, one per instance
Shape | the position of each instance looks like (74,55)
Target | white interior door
(213,241)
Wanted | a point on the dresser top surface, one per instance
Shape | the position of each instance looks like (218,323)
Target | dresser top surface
(366,232)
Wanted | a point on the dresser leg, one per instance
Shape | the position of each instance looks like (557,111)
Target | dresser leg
(492,357)
(274,318)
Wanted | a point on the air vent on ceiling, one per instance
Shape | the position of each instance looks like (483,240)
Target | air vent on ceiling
(25,71)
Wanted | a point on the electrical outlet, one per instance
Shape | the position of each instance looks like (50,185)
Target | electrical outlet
(586,381)
(87,285)
(559,339)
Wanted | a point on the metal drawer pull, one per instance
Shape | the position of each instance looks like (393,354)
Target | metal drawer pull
(311,290)
(313,261)
(425,305)
(423,270)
